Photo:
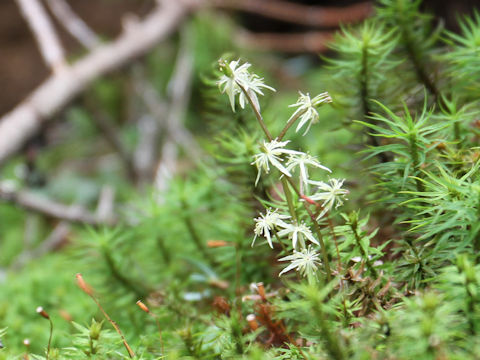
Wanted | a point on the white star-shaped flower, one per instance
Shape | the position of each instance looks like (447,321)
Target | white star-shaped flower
(268,222)
(304,261)
(271,154)
(236,75)
(331,194)
(298,231)
(307,107)
(301,161)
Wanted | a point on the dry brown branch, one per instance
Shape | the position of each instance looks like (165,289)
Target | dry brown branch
(73,23)
(33,202)
(316,16)
(45,35)
(314,42)
(25,120)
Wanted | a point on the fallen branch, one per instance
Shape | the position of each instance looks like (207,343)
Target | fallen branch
(33,202)
(73,23)
(42,28)
(315,16)
(25,120)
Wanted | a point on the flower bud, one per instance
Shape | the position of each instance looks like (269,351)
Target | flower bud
(95,330)
(252,321)
(142,306)
(42,313)
(83,285)
(261,291)
(217,243)
(225,68)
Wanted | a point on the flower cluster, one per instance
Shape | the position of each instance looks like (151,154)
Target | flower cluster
(307,109)
(271,154)
(331,194)
(298,232)
(304,261)
(302,161)
(267,223)
(237,80)
(235,77)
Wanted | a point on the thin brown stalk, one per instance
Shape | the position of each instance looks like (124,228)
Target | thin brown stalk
(289,124)
(257,112)
(89,291)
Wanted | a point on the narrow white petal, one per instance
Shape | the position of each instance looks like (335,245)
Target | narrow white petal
(279,166)
(287,269)
(310,237)
(269,238)
(294,239)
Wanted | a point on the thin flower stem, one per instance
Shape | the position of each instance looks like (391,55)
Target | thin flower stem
(93,351)
(316,227)
(358,240)
(238,269)
(295,188)
(139,289)
(330,225)
(49,338)
(257,112)
(259,117)
(289,124)
(288,195)
(412,139)
(280,242)
(115,326)
(159,333)
(194,234)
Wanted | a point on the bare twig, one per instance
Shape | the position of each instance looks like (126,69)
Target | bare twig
(25,120)
(73,23)
(47,207)
(56,92)
(41,26)
(316,16)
